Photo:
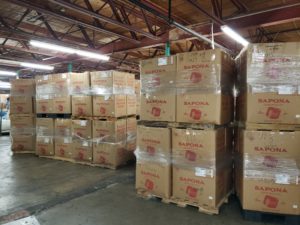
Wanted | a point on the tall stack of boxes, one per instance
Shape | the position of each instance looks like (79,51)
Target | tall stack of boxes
(191,88)
(267,149)
(22,115)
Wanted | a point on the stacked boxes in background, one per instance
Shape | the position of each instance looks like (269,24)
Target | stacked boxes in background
(45,136)
(22,115)
(267,150)
(63,141)
(189,88)
(138,96)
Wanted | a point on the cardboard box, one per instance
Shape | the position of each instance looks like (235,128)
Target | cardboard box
(62,105)
(44,106)
(22,124)
(80,82)
(23,143)
(155,141)
(158,73)
(63,127)
(158,107)
(271,64)
(45,87)
(189,185)
(269,108)
(21,105)
(204,69)
(44,145)
(109,131)
(204,108)
(154,178)
(131,104)
(130,83)
(131,128)
(82,129)
(62,84)
(110,82)
(138,105)
(110,154)
(137,87)
(109,105)
(82,150)
(22,87)
(45,126)
(82,105)
(64,147)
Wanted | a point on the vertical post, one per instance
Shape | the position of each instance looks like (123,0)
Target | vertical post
(168,50)
(18,74)
(70,67)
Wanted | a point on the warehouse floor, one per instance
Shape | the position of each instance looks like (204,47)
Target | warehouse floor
(47,192)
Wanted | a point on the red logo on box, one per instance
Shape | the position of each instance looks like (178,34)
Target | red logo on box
(80,111)
(156,81)
(271,201)
(43,151)
(21,90)
(102,110)
(270,161)
(102,159)
(19,108)
(20,147)
(81,155)
(151,150)
(191,191)
(149,184)
(60,108)
(273,113)
(62,152)
(195,77)
(195,114)
(273,73)
(44,108)
(190,155)
(156,111)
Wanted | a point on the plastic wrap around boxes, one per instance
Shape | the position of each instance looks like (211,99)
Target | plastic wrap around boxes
(22,109)
(267,161)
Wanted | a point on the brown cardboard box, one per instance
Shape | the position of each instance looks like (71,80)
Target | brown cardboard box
(204,108)
(82,129)
(23,87)
(137,87)
(154,178)
(45,127)
(110,131)
(138,105)
(131,128)
(154,140)
(64,147)
(269,108)
(24,124)
(110,154)
(204,69)
(80,82)
(158,73)
(44,106)
(109,106)
(23,143)
(131,104)
(108,81)
(82,150)
(44,145)
(21,105)
(63,127)
(189,185)
(45,88)
(158,107)
(62,105)
(62,84)
(130,83)
(82,105)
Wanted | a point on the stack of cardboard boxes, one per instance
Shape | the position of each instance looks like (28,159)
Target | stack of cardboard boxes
(267,149)
(22,116)
(191,88)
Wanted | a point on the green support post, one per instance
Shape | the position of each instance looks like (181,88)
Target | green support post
(70,67)
(168,49)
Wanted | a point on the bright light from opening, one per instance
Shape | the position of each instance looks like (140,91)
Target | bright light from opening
(68,50)
(7,73)
(37,66)
(4,85)
(231,33)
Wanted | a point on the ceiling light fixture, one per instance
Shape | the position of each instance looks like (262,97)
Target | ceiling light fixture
(7,73)
(234,35)
(36,66)
(5,85)
(68,50)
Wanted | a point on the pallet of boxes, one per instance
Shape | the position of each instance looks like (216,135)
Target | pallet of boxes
(103,118)
(267,149)
(184,143)
(22,109)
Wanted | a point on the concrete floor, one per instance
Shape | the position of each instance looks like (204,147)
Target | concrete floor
(48,192)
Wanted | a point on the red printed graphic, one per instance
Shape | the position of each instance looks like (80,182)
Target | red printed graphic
(156,81)
(270,161)
(195,77)
(149,184)
(271,201)
(62,152)
(80,111)
(81,155)
(43,151)
(151,150)
(44,108)
(21,90)
(273,113)
(19,108)
(156,111)
(20,147)
(195,114)
(191,191)
(102,110)
(102,159)
(273,73)
(190,155)
(60,108)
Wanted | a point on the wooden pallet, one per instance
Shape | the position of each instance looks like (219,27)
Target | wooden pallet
(272,127)
(185,203)
(181,125)
(22,152)
(263,217)
(54,115)
(108,118)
